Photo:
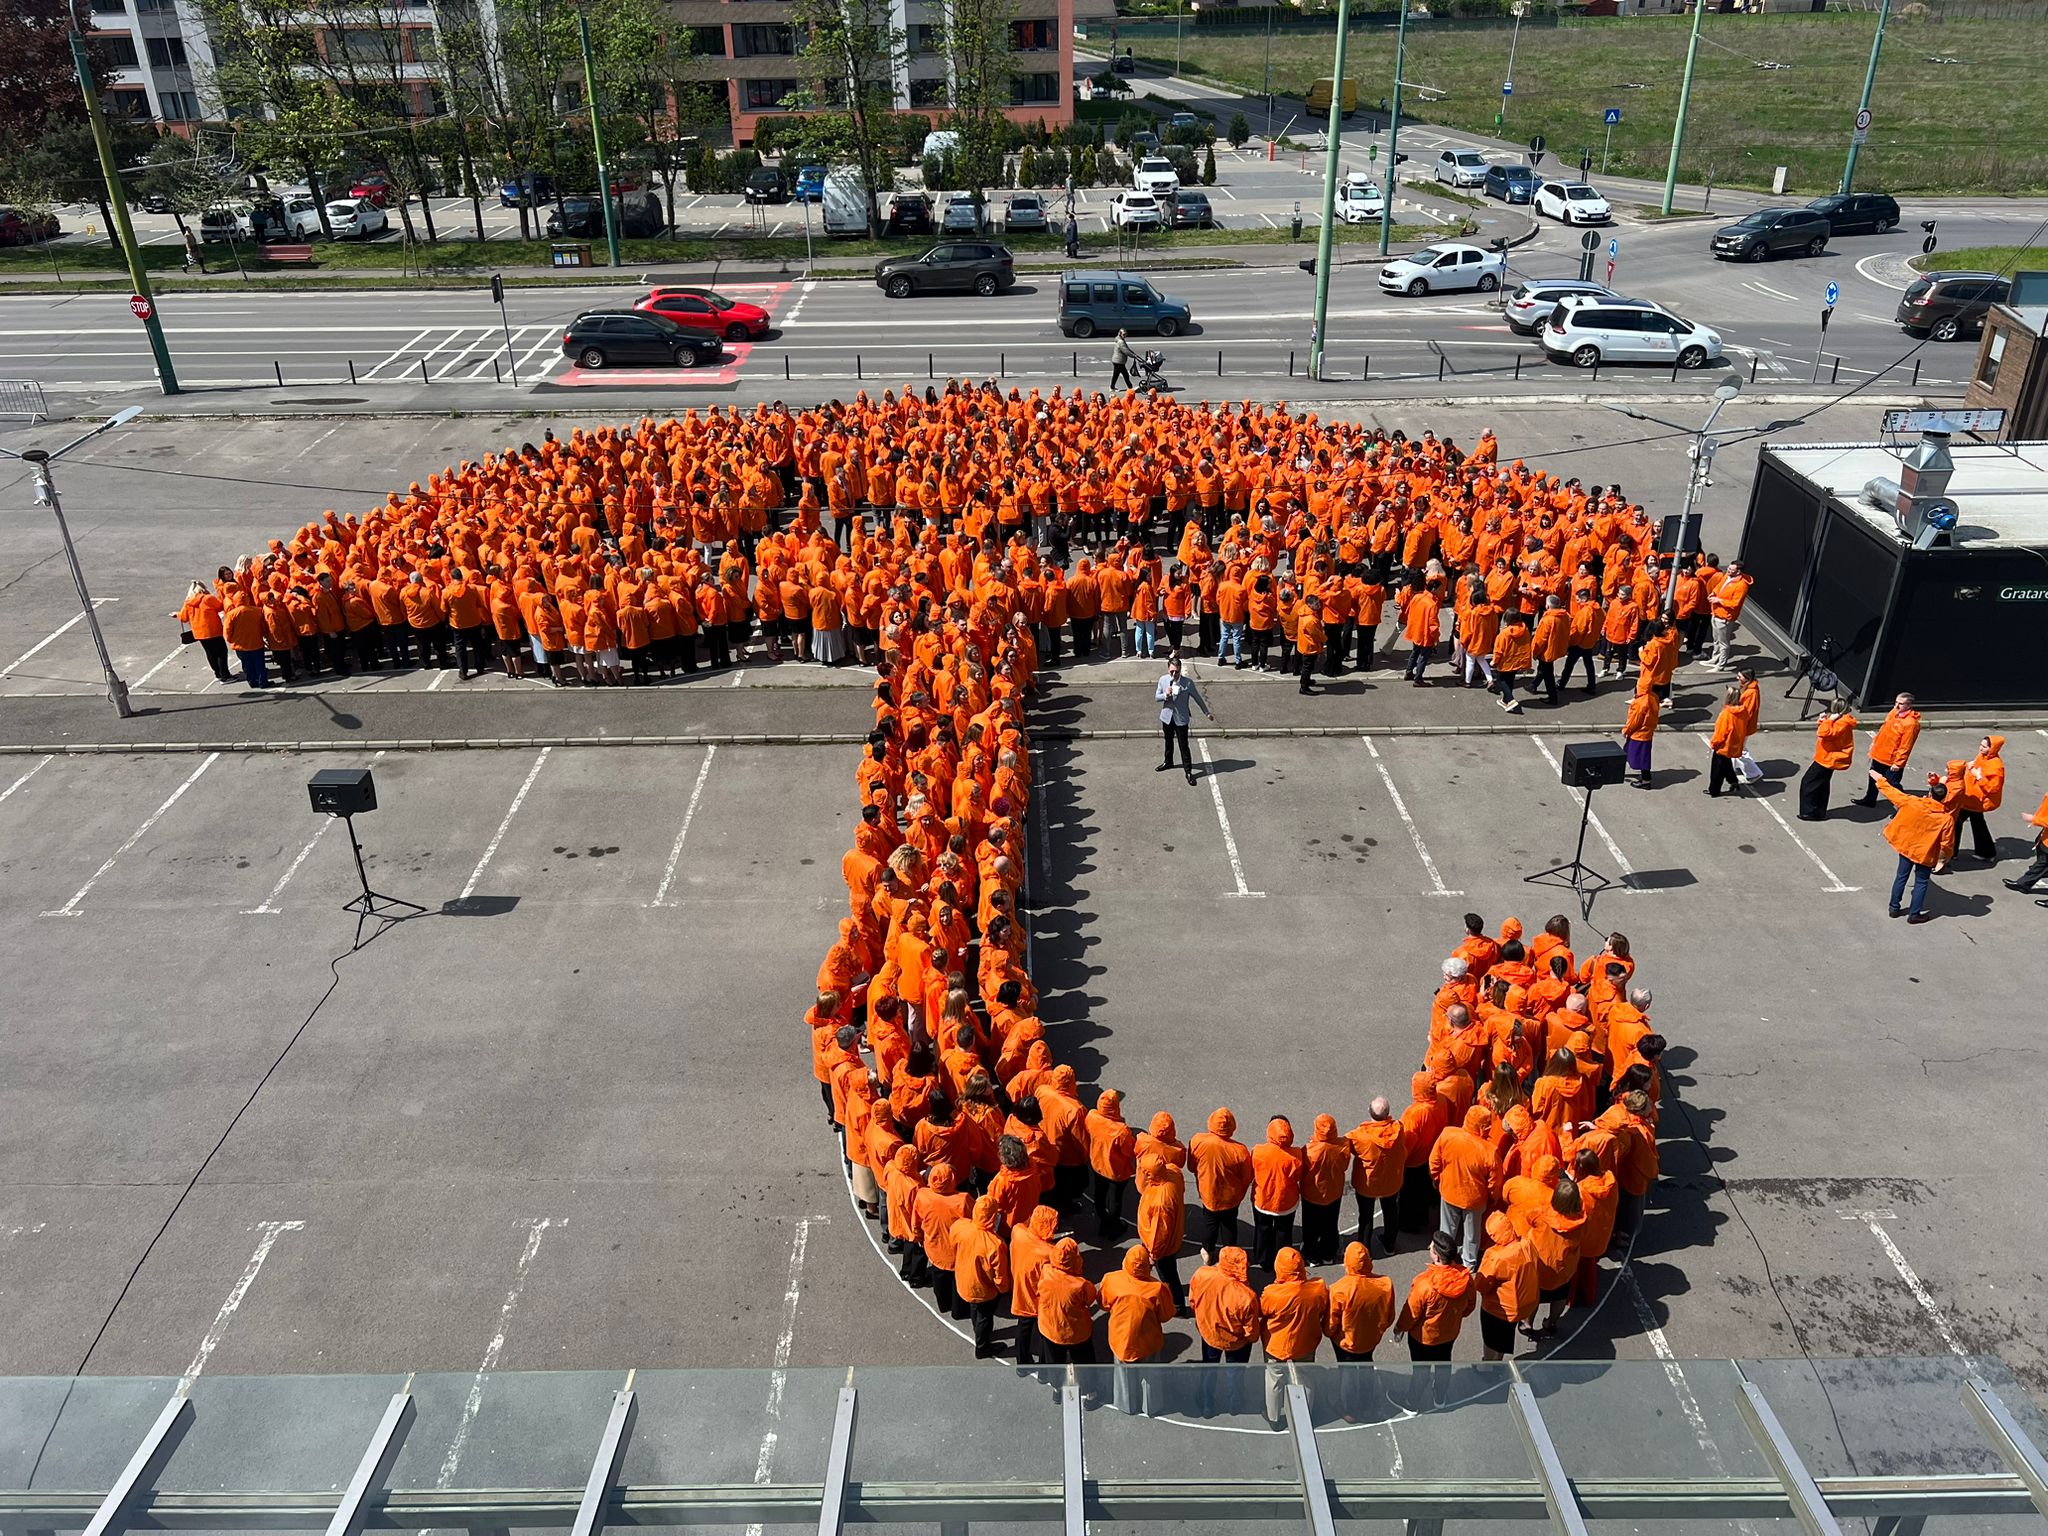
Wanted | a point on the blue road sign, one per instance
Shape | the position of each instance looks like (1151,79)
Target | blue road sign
(1613,116)
(1834,293)
(1614,247)
(1507,87)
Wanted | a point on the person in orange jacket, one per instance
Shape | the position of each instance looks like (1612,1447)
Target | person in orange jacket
(1507,1281)
(981,1272)
(1438,1300)
(1031,1248)
(1162,1217)
(1276,1191)
(1893,745)
(1223,1174)
(1112,1162)
(1834,748)
(1726,745)
(2037,867)
(1462,1164)
(201,618)
(1421,1123)
(1361,1306)
(1296,1313)
(1066,1307)
(1639,731)
(1983,792)
(1325,1161)
(1379,1161)
(1922,832)
(1228,1322)
(1138,1306)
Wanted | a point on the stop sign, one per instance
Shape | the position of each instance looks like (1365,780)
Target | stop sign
(140,306)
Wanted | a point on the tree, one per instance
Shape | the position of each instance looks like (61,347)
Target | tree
(1027,167)
(263,79)
(38,79)
(1209,166)
(30,188)
(850,56)
(195,174)
(979,47)
(1240,130)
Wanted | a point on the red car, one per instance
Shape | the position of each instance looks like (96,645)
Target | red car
(374,188)
(704,310)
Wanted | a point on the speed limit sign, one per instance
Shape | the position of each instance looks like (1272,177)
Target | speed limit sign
(140,307)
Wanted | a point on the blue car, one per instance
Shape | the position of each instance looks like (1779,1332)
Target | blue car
(810,184)
(1510,183)
(529,189)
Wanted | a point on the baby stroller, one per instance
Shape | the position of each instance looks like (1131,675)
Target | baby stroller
(1150,381)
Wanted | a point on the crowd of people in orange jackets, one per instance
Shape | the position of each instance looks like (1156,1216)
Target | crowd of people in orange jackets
(1129,525)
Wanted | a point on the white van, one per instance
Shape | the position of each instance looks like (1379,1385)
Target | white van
(228,221)
(845,201)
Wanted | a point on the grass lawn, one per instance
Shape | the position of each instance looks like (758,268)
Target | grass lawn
(1979,123)
(2002,259)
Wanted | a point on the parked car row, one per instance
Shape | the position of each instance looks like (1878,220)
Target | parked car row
(1804,231)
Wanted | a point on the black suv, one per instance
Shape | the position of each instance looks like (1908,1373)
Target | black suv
(1857,213)
(966,266)
(605,338)
(582,218)
(1948,305)
(1773,232)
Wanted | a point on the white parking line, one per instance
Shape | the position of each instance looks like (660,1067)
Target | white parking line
(70,908)
(39,767)
(1223,821)
(1874,1221)
(228,1308)
(143,680)
(497,837)
(1834,887)
(675,854)
(1628,870)
(76,618)
(778,1379)
(535,1231)
(270,907)
(1436,881)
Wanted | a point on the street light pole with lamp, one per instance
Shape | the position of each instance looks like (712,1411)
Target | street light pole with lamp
(39,461)
(1521,9)
(1702,455)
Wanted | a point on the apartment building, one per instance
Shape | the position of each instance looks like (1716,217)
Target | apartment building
(155,49)
(752,47)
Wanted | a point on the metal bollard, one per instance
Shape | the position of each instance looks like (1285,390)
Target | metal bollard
(1596,370)
(1219,362)
(1674,370)
(351,370)
(785,367)
(928,373)
(1440,361)
(1518,365)
(1077,365)
(1290,365)
(1365,368)
(1752,367)
(278,368)
(1916,370)
(1002,364)
(856,367)
(1835,376)
(423,372)
(497,373)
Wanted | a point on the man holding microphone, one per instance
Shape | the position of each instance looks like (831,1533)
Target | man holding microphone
(1177,696)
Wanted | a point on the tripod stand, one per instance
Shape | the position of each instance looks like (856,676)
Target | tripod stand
(1575,876)
(375,903)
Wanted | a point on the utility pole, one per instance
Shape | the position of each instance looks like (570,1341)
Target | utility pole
(1269,67)
(1331,161)
(1869,79)
(1514,38)
(39,461)
(1394,134)
(117,207)
(1692,51)
(604,179)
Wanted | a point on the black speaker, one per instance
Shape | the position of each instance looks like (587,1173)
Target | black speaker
(342,791)
(1592,764)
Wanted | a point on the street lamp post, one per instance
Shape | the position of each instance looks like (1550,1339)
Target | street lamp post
(1692,53)
(39,461)
(1394,133)
(604,180)
(1869,80)
(1514,38)
(1179,16)
(1318,330)
(1270,9)
(1702,455)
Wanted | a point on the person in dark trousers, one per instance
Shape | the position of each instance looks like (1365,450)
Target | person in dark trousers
(2037,868)
(1834,749)
(1177,696)
(1121,357)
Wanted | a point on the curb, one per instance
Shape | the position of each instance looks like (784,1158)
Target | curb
(851,738)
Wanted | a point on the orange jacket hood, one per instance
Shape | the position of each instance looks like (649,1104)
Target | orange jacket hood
(1357,1260)
(1066,1256)
(941,1179)
(1235,1263)
(1479,1121)
(1039,1057)
(1222,1123)
(1278,1132)
(1137,1262)
(1044,1220)
(987,1212)
(1325,1129)
(1287,1265)
(1162,1127)
(1997,746)
(1063,1079)
(1422,1086)
(1451,1280)
(1110,1104)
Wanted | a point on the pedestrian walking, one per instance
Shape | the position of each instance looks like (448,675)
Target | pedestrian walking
(1121,356)
(195,257)
(1177,697)
(2037,867)
(1309,638)
(1726,745)
(1893,745)
(1834,748)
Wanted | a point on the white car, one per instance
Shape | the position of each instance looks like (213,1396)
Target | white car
(1573,202)
(1155,174)
(1443,268)
(301,215)
(1461,168)
(356,219)
(1135,210)
(228,221)
(1587,331)
(1359,200)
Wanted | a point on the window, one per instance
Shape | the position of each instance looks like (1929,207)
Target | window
(1994,354)
(129,101)
(179,106)
(1137,293)
(766,95)
(758,38)
(1105,293)
(167,52)
(925,38)
(117,52)
(928,91)
(1077,293)
(1034,89)
(709,41)
(1031,36)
